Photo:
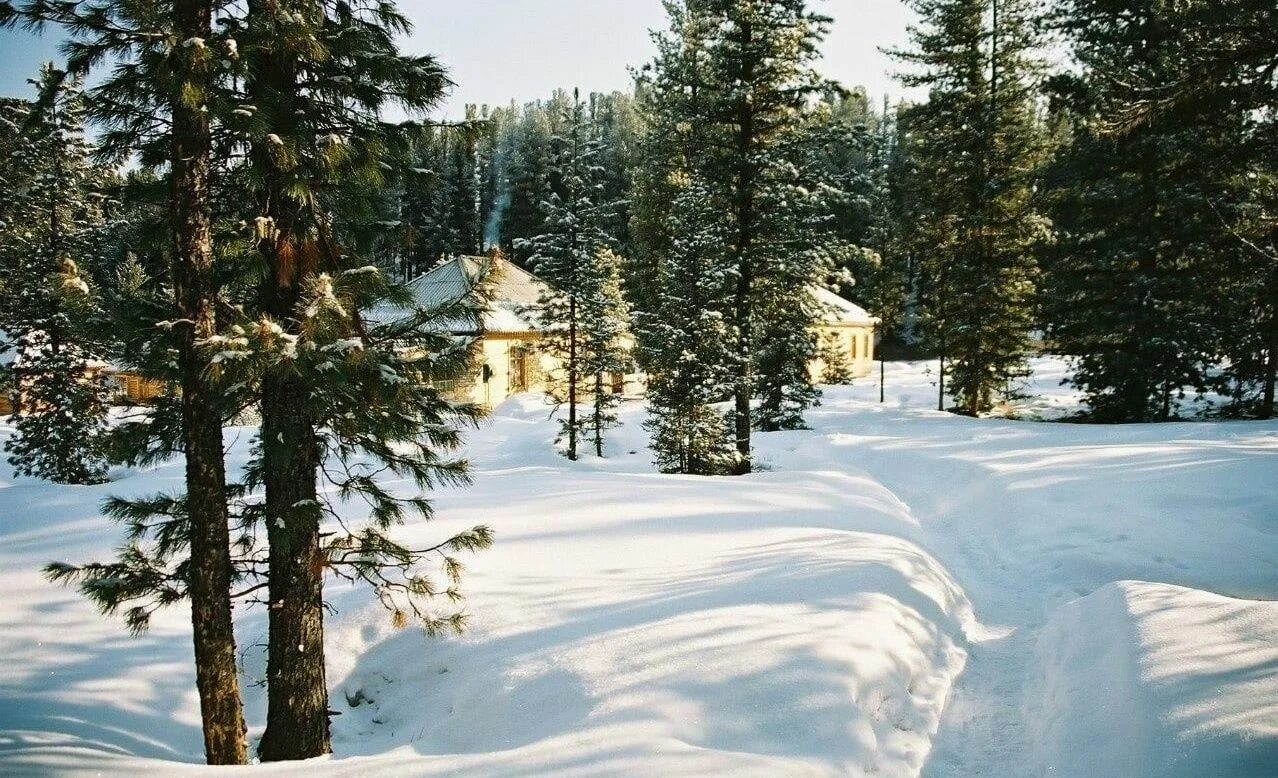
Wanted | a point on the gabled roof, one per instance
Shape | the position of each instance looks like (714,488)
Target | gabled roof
(514,291)
(836,310)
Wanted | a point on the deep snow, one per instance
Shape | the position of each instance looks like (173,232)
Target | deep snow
(901,591)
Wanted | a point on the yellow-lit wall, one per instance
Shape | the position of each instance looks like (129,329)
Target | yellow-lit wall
(855,342)
(496,350)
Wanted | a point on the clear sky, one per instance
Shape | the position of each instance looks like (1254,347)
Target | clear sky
(497,50)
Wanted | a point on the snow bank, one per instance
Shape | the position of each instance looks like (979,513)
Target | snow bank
(815,618)
(1147,679)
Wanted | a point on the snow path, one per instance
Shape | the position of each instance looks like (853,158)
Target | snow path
(893,594)
(972,483)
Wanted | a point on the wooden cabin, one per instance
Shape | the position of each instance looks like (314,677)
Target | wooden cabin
(845,330)
(511,358)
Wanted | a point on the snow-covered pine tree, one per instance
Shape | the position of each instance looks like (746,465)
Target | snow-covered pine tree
(605,321)
(312,83)
(568,254)
(979,146)
(685,341)
(807,250)
(887,285)
(53,223)
(744,70)
(156,106)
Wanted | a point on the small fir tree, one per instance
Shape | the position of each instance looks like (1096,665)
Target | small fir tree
(573,256)
(605,319)
(54,221)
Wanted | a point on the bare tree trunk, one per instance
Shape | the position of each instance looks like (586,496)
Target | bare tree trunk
(210,573)
(297,725)
(882,375)
(573,377)
(1271,377)
(743,389)
(1271,367)
(599,402)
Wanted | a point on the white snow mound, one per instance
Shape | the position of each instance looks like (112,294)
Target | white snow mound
(1151,679)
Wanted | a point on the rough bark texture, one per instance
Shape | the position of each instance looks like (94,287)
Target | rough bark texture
(743,389)
(210,574)
(573,375)
(297,724)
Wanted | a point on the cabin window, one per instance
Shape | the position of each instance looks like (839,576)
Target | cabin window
(854,344)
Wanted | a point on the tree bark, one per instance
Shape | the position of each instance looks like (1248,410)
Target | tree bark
(210,574)
(1271,352)
(743,389)
(599,403)
(1271,375)
(297,725)
(574,370)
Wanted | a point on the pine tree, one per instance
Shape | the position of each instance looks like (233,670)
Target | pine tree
(528,160)
(1204,71)
(1134,288)
(605,322)
(312,84)
(54,222)
(741,74)
(438,205)
(685,340)
(887,285)
(979,148)
(163,68)
(573,256)
(832,352)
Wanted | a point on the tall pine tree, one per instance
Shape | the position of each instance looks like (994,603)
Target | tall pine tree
(157,106)
(730,87)
(979,148)
(573,255)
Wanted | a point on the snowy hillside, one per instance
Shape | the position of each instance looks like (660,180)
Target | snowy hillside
(901,592)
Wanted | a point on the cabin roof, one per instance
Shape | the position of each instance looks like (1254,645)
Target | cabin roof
(836,310)
(514,293)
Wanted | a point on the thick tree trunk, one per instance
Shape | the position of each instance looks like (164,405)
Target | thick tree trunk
(573,377)
(743,389)
(297,725)
(210,574)
(599,403)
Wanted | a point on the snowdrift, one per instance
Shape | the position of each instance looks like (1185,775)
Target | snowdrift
(1148,679)
(894,594)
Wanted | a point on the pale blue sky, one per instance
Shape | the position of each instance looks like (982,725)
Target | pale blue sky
(497,50)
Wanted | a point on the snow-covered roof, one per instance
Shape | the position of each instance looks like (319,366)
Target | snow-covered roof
(515,292)
(836,310)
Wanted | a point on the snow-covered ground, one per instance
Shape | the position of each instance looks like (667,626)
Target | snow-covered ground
(899,592)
